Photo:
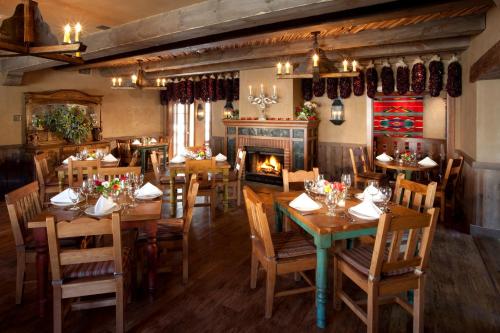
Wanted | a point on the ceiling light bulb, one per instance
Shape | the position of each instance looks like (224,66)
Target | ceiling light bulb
(315,60)
(134,78)
(114,81)
(279,66)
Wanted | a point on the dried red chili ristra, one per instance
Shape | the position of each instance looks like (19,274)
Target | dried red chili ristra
(175,90)
(332,87)
(371,82)
(403,79)
(170,90)
(228,87)
(345,87)
(219,88)
(319,88)
(436,71)
(358,84)
(307,89)
(190,91)
(212,82)
(236,88)
(387,76)
(204,89)
(418,77)
(197,89)
(181,87)
(454,82)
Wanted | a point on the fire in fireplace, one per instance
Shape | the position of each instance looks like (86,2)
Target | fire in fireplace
(264,165)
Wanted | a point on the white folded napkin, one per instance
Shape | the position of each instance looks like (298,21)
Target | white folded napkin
(220,158)
(90,158)
(368,209)
(63,197)
(368,193)
(384,157)
(153,140)
(67,160)
(178,159)
(109,158)
(148,190)
(136,142)
(427,162)
(104,205)
(304,202)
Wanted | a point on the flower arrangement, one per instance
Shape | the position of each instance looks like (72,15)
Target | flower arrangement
(198,153)
(307,111)
(335,186)
(71,122)
(408,156)
(108,187)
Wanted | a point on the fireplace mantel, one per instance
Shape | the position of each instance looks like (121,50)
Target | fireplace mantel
(299,139)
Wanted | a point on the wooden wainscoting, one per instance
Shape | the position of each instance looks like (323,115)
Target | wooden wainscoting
(217,145)
(334,158)
(16,168)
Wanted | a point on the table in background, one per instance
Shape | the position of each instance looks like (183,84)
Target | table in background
(180,168)
(408,169)
(142,148)
(325,230)
(62,171)
(145,216)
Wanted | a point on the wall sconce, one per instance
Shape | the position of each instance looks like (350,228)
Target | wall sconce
(337,112)
(200,112)
(228,110)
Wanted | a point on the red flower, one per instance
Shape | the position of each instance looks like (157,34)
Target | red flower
(312,118)
(98,182)
(116,187)
(123,177)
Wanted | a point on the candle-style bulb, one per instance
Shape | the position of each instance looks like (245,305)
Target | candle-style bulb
(114,81)
(261,88)
(67,31)
(345,63)
(163,82)
(119,81)
(287,68)
(250,90)
(274,90)
(354,65)
(158,81)
(134,78)
(279,66)
(78,29)
(315,60)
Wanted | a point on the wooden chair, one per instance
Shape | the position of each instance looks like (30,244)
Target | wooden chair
(298,177)
(134,159)
(414,195)
(389,268)
(235,177)
(366,174)
(80,169)
(163,180)
(277,253)
(23,204)
(173,233)
(111,173)
(207,187)
(85,272)
(47,182)
(449,185)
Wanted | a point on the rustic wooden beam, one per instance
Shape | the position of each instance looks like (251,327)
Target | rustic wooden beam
(203,19)
(488,66)
(64,48)
(29,22)
(13,79)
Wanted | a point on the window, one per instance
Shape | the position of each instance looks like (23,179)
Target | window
(185,127)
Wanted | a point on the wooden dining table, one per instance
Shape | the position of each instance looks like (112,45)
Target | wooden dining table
(215,167)
(62,170)
(325,230)
(144,216)
(143,148)
(407,168)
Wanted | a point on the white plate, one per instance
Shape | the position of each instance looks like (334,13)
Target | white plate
(91,211)
(360,196)
(64,204)
(149,197)
(305,209)
(361,216)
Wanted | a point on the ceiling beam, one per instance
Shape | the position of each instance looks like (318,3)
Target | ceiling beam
(198,20)
(488,66)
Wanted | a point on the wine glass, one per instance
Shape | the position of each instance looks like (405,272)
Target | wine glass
(86,190)
(346,179)
(139,180)
(372,187)
(331,201)
(308,184)
(132,193)
(386,192)
(74,196)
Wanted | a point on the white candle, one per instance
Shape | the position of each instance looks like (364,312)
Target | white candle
(287,68)
(134,78)
(78,29)
(274,90)
(158,81)
(250,90)
(67,31)
(163,82)
(279,67)
(114,81)
(315,60)
(354,65)
(345,64)
(119,81)
(261,88)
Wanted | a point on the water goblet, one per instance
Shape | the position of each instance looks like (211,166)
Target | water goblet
(132,193)
(331,201)
(386,192)
(372,186)
(308,184)
(74,196)
(85,190)
(346,179)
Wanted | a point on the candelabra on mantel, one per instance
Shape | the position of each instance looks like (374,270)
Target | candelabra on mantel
(262,101)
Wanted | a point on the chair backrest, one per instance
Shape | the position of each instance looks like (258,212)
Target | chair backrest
(23,204)
(134,159)
(239,164)
(41,168)
(414,195)
(364,165)
(156,165)
(298,177)
(116,172)
(259,227)
(83,227)
(123,146)
(453,172)
(80,169)
(190,202)
(390,256)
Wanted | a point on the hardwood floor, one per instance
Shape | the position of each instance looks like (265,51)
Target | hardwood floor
(460,296)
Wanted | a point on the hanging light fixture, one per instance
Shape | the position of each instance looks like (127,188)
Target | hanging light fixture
(316,66)
(337,112)
(138,80)
(228,110)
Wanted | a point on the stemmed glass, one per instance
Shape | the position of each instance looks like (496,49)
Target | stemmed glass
(86,189)
(74,196)
(308,185)
(346,179)
(372,186)
(386,192)
(331,201)
(132,193)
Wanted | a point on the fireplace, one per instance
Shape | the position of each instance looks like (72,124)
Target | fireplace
(264,164)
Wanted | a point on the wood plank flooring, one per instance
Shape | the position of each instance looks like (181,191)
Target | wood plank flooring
(460,296)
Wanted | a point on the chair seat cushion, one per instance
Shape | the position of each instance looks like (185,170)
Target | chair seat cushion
(291,245)
(169,229)
(372,175)
(96,269)
(360,258)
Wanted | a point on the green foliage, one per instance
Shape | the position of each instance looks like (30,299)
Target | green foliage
(70,122)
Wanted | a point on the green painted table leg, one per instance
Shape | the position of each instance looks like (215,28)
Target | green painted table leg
(408,174)
(164,157)
(143,160)
(278,218)
(321,285)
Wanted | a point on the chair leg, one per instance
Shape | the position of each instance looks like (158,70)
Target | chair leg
(270,283)
(185,261)
(21,268)
(443,207)
(337,285)
(57,310)
(119,305)
(418,306)
(372,308)
(253,272)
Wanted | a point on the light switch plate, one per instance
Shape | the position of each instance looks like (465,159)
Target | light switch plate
(17,117)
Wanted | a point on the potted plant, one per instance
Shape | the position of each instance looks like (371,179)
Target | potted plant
(70,122)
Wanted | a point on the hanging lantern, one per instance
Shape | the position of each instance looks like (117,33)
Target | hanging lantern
(337,112)
(228,110)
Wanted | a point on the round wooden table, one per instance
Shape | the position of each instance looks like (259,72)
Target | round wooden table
(407,168)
